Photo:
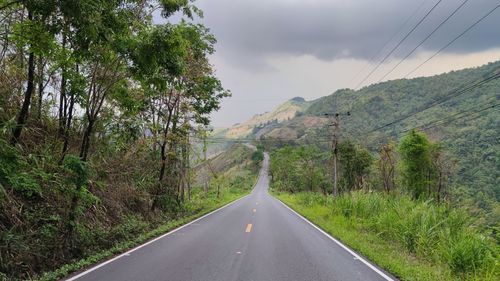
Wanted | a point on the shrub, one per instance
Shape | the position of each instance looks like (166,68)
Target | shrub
(470,254)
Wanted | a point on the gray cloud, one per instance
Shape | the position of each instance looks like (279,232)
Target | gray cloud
(249,32)
(272,50)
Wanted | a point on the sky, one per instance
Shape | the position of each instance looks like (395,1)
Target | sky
(269,51)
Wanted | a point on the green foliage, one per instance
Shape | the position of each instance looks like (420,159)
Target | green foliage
(35,35)
(25,184)
(258,156)
(12,173)
(160,48)
(79,170)
(9,161)
(415,155)
(298,169)
(470,253)
(355,163)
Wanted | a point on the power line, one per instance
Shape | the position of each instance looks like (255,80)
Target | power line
(453,41)
(452,94)
(400,42)
(425,39)
(435,103)
(453,117)
(426,126)
(388,41)
(470,119)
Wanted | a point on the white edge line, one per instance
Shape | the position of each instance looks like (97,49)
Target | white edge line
(381,273)
(151,241)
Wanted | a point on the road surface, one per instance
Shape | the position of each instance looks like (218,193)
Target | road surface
(257,238)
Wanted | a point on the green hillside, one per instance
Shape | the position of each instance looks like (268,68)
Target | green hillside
(466,122)
(473,138)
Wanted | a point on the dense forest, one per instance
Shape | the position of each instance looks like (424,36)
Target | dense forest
(99,108)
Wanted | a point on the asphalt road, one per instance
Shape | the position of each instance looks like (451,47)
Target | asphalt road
(257,238)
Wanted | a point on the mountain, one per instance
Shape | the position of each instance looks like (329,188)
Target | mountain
(282,113)
(448,107)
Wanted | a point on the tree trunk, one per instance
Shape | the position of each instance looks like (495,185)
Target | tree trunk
(40,88)
(62,95)
(23,114)
(188,171)
(163,161)
(84,149)
(67,127)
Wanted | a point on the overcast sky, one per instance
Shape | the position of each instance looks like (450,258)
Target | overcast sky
(269,51)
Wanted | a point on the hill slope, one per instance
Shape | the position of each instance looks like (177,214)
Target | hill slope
(282,113)
(466,122)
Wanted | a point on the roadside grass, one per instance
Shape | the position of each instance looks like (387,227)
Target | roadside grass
(232,188)
(413,240)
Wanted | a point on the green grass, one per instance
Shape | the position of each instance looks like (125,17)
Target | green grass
(412,240)
(233,188)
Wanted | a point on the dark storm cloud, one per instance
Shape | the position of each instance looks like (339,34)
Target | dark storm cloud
(252,30)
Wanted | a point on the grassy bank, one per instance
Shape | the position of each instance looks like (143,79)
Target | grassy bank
(233,188)
(414,240)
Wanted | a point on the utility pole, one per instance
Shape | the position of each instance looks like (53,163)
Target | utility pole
(188,167)
(335,148)
(205,186)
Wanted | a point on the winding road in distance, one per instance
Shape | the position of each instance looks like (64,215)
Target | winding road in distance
(256,238)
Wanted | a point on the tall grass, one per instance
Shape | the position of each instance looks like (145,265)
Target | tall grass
(435,234)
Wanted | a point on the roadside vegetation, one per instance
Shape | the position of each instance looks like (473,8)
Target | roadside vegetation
(135,231)
(394,207)
(101,116)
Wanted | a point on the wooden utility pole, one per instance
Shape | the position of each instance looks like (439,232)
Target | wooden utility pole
(188,167)
(335,148)
(205,160)
(335,141)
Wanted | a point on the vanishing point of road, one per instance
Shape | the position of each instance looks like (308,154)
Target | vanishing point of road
(256,238)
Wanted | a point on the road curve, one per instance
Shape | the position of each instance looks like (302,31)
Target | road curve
(256,238)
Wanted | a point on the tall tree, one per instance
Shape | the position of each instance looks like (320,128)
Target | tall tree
(414,149)
(36,36)
(387,165)
(355,162)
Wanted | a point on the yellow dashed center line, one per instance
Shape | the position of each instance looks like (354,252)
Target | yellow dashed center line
(249,228)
